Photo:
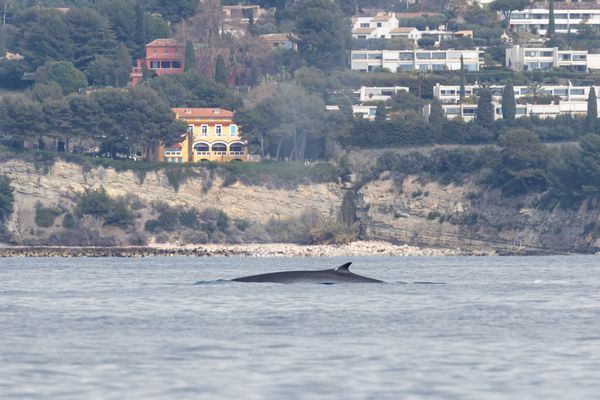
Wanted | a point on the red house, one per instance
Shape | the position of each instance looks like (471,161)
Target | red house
(163,57)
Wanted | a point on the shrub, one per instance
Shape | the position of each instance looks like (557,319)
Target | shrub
(98,203)
(68,221)
(433,215)
(7,198)
(44,216)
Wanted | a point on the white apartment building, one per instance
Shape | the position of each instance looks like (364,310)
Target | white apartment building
(566,17)
(366,112)
(519,58)
(412,60)
(378,93)
(468,111)
(448,94)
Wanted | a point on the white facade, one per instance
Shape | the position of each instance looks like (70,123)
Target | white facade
(566,17)
(366,112)
(448,94)
(519,58)
(371,93)
(411,60)
(377,27)
(467,111)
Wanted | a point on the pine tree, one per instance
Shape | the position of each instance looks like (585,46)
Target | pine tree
(462,78)
(220,70)
(140,29)
(190,56)
(485,109)
(509,106)
(592,111)
(551,24)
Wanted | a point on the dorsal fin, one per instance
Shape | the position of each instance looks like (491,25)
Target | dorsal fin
(343,268)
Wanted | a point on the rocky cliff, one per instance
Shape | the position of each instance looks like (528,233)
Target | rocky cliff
(469,218)
(402,212)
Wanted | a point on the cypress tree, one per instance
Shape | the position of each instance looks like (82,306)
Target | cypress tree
(437,117)
(485,109)
(551,26)
(190,56)
(381,112)
(592,111)
(509,106)
(462,78)
(220,70)
(140,29)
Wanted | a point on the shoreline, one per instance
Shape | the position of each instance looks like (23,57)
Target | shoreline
(353,249)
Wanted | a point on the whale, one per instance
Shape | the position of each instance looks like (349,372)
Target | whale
(340,274)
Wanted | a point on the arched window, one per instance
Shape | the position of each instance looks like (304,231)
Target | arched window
(201,147)
(219,148)
(236,148)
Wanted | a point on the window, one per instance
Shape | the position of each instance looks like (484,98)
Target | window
(579,57)
(438,56)
(190,129)
(546,54)
(453,110)
(530,53)
(577,92)
(359,56)
(374,56)
(406,56)
(165,64)
(471,67)
(364,25)
(218,130)
(379,24)
(438,67)
(175,64)
(154,64)
(232,130)
(423,56)
(204,130)
(560,92)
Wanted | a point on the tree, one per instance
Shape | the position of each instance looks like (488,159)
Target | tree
(551,22)
(7,199)
(190,56)
(437,117)
(380,112)
(220,70)
(462,78)
(485,109)
(592,111)
(509,106)
(323,33)
(524,160)
(140,29)
(174,10)
(64,73)
(506,7)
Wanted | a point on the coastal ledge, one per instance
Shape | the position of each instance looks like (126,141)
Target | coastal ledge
(354,249)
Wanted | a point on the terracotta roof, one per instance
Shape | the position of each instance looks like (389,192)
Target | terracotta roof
(275,37)
(203,112)
(382,18)
(403,29)
(362,30)
(165,43)
(175,146)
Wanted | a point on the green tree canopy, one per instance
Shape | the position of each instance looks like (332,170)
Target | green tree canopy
(64,73)
(323,33)
(509,105)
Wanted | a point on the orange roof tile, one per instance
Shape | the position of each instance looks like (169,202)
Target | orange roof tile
(166,42)
(362,30)
(203,113)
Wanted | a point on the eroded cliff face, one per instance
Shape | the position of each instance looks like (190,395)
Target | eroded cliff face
(64,182)
(408,212)
(465,217)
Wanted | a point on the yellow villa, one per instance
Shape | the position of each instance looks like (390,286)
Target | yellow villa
(211,136)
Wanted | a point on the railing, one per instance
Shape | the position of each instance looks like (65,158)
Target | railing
(220,153)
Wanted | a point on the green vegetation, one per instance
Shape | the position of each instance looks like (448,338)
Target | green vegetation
(7,199)
(98,203)
(45,216)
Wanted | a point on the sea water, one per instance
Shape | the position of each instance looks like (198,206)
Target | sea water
(174,328)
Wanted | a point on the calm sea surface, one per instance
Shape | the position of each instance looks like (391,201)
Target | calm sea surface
(112,328)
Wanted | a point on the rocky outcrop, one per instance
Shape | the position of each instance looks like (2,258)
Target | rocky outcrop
(63,182)
(465,217)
